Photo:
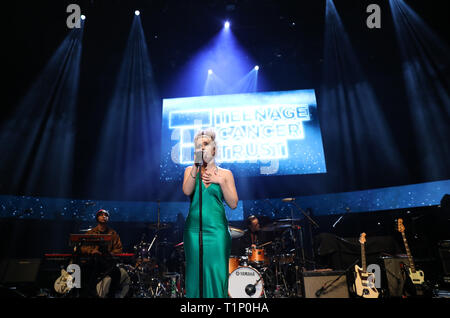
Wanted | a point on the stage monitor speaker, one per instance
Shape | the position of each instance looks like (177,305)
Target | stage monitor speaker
(20,271)
(314,280)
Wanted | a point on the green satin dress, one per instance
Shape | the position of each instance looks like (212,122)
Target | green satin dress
(216,244)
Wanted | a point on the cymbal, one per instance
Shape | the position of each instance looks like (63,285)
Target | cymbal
(289,220)
(235,232)
(275,227)
(160,226)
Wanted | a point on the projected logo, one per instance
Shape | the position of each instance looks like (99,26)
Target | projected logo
(259,133)
(246,133)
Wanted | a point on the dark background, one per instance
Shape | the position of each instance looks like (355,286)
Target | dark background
(290,57)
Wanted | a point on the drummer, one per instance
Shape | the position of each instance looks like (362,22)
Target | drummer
(253,235)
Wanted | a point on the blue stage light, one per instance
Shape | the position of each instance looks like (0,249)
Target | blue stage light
(227,25)
(256,67)
(210,71)
(83,17)
(137,12)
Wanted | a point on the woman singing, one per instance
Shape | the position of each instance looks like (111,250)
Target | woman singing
(217,185)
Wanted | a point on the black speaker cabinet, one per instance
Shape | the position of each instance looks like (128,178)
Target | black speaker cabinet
(393,275)
(19,271)
(313,281)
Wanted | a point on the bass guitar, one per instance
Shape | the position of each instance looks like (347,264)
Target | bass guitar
(417,276)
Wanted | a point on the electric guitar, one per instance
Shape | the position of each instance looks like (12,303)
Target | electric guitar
(364,285)
(417,276)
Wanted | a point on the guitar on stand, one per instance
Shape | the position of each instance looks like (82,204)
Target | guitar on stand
(364,285)
(415,277)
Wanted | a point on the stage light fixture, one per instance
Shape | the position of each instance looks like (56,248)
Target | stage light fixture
(137,12)
(83,17)
(210,71)
(227,25)
(256,67)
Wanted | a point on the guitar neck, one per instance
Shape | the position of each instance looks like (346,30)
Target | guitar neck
(363,257)
(408,252)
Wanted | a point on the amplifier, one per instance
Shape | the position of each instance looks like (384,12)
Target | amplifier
(19,271)
(393,275)
(335,286)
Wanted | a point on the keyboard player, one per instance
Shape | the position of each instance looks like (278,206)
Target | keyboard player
(106,279)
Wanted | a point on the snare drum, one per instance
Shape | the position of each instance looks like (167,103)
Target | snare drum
(233,263)
(245,282)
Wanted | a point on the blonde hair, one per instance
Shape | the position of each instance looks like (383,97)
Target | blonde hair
(207,133)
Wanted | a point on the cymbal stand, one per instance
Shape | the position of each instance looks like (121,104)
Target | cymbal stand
(280,289)
(300,231)
(160,289)
(312,224)
(142,291)
(303,261)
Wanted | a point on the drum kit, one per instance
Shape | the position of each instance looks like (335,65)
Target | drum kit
(270,269)
(265,270)
(150,275)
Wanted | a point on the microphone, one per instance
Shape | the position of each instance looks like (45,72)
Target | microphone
(198,157)
(288,199)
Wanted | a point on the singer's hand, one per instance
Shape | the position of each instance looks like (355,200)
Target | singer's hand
(212,177)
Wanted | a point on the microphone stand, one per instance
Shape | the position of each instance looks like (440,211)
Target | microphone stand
(200,232)
(311,221)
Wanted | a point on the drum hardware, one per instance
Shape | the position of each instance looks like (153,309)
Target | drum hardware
(147,268)
(158,226)
(158,290)
(311,223)
(174,289)
(137,285)
(279,291)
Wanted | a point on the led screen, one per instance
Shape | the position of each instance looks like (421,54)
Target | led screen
(267,133)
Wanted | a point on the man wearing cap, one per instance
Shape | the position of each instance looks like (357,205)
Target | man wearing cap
(114,247)
(109,280)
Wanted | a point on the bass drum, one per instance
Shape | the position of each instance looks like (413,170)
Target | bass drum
(245,282)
